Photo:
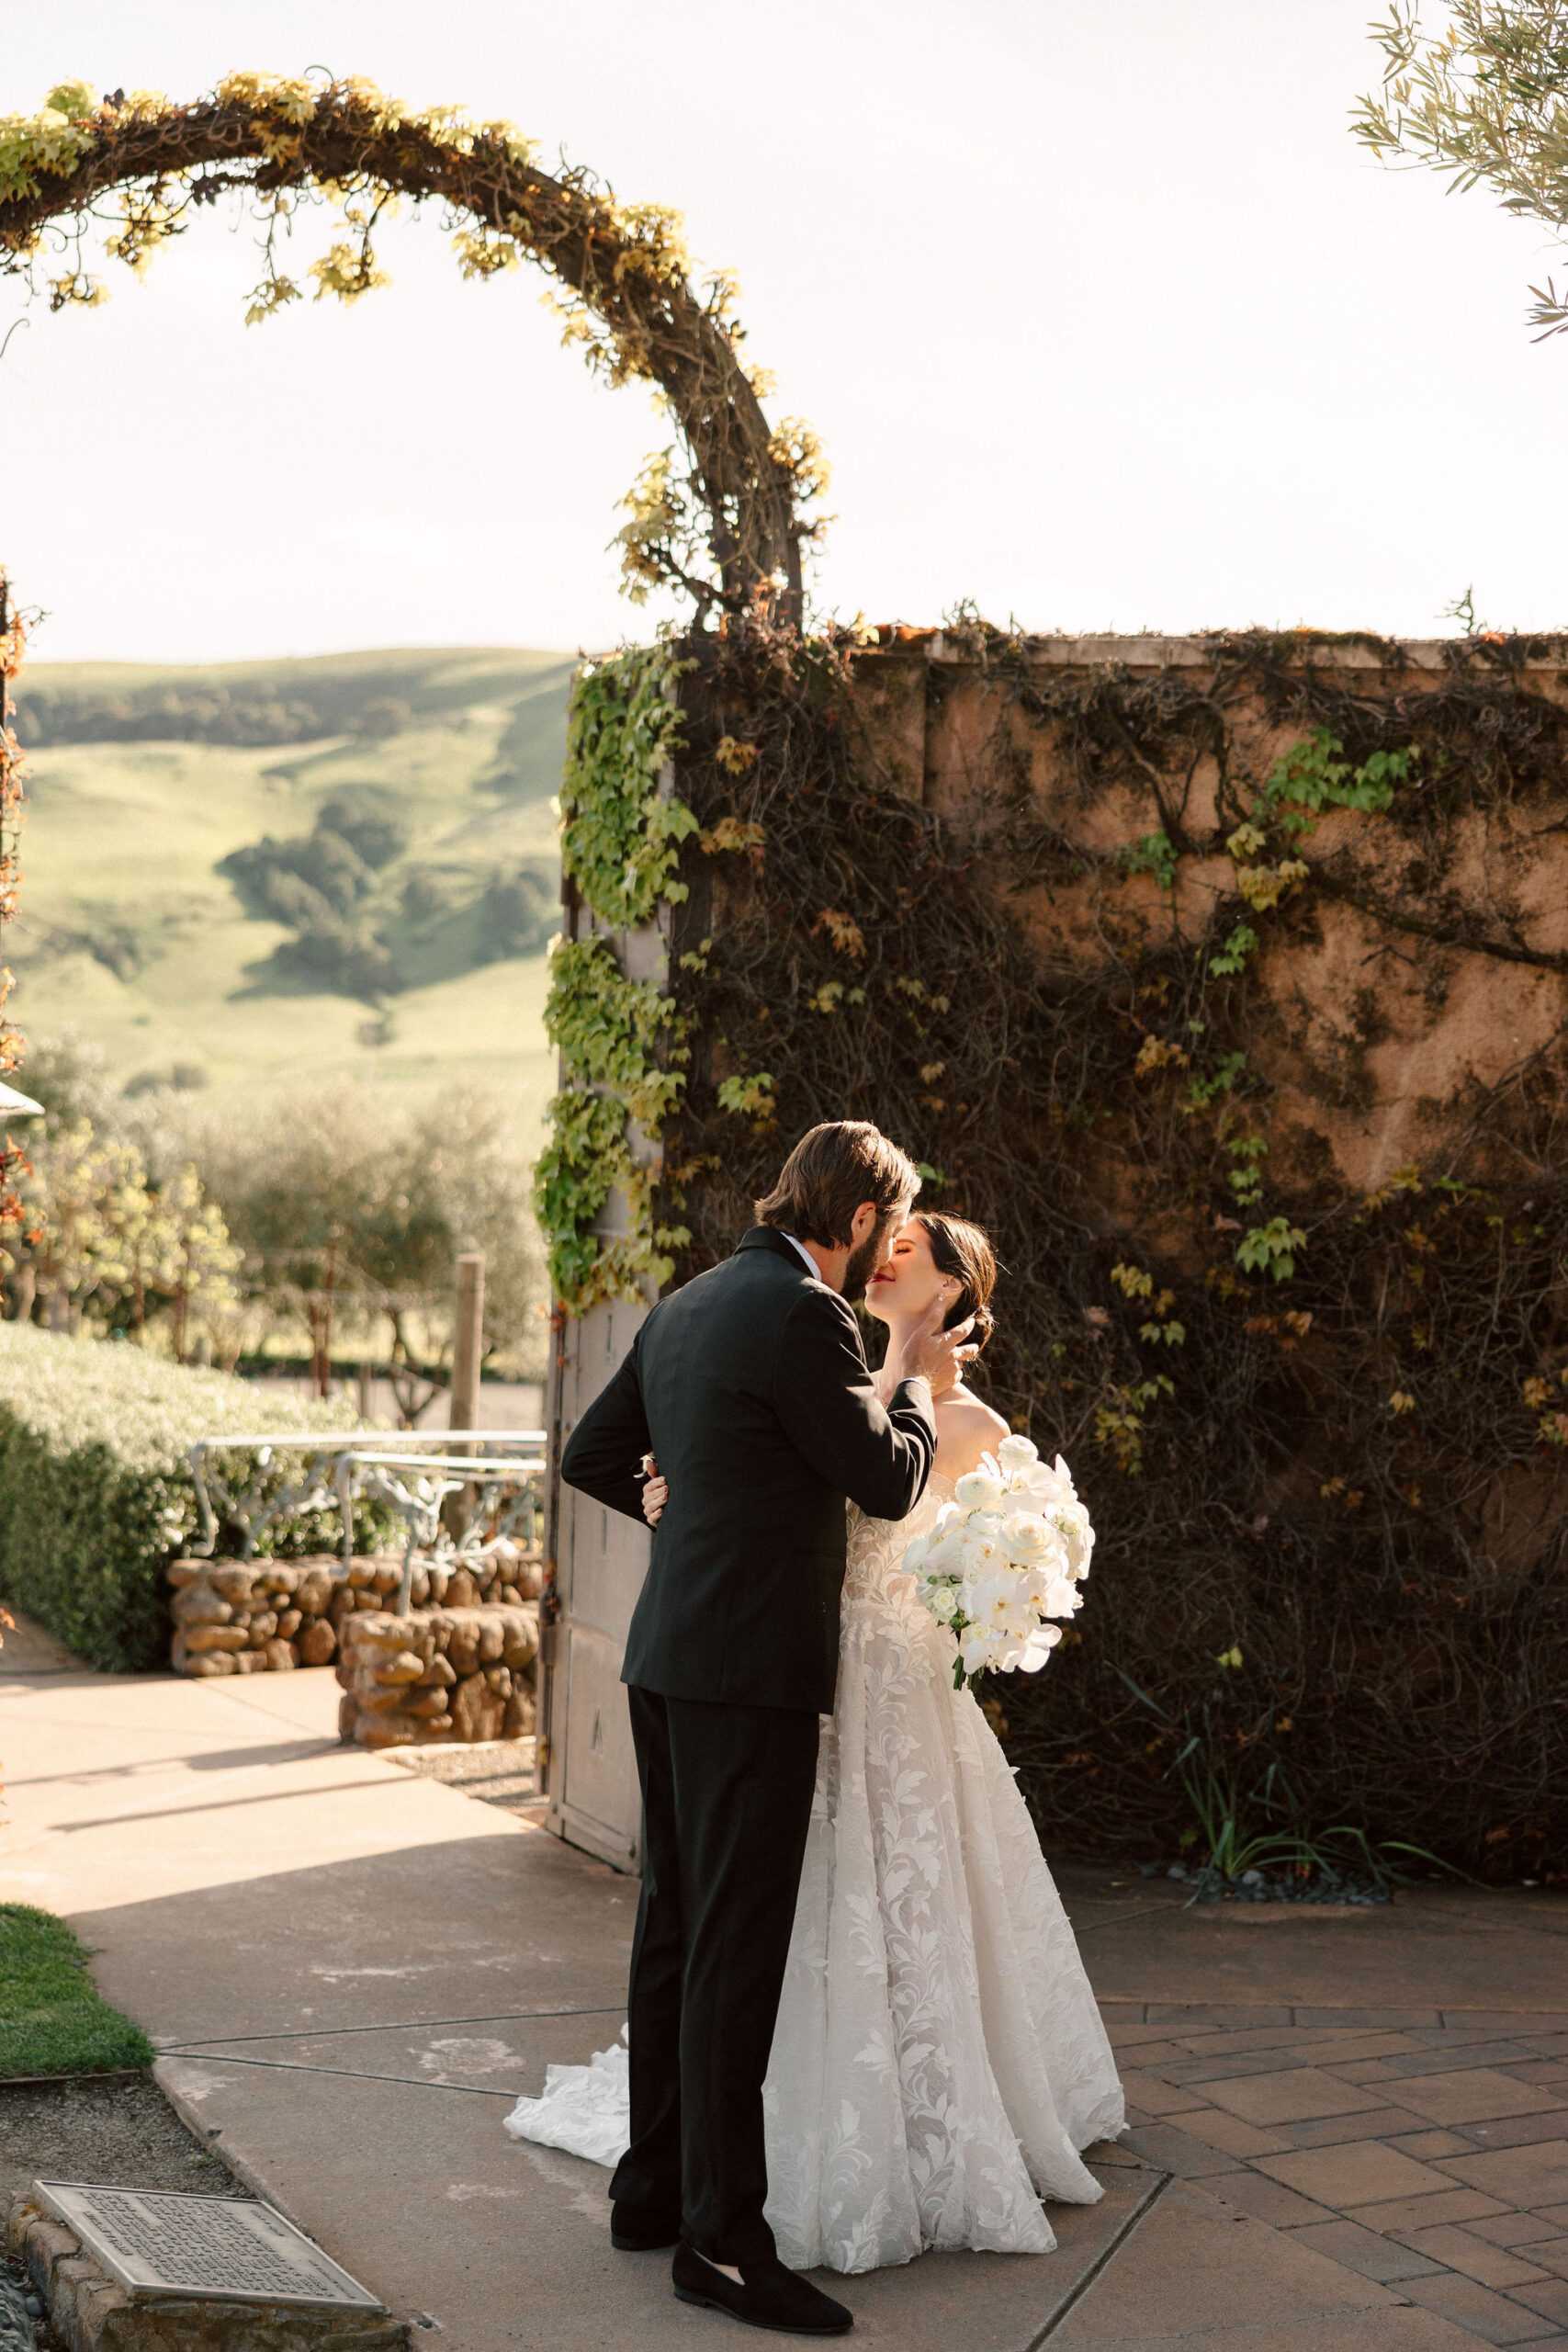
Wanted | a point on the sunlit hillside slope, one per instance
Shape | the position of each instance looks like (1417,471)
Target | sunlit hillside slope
(145,781)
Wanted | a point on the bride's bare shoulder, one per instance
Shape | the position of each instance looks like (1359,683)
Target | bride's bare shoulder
(966,1428)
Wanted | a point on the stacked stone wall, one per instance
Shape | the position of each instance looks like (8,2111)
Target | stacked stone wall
(268,1616)
(452,1675)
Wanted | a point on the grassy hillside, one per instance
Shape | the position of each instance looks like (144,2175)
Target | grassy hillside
(145,780)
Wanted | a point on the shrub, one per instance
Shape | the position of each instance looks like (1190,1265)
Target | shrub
(95,1490)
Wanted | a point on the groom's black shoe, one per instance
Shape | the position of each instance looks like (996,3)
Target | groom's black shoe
(770,2297)
(633,2230)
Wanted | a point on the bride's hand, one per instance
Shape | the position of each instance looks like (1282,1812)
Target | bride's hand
(655,1494)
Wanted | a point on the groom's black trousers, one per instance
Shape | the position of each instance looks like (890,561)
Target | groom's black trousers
(727,1803)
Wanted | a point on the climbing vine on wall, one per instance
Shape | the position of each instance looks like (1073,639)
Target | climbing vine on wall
(622,1042)
(620,832)
(1308,1417)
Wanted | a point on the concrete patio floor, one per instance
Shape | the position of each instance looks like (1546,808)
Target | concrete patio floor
(1351,2129)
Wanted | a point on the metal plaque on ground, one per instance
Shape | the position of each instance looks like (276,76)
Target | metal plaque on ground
(222,2249)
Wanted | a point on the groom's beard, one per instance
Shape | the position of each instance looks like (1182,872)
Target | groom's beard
(861,1266)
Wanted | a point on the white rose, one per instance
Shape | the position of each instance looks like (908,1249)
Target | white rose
(1016,1453)
(977,1491)
(1026,1535)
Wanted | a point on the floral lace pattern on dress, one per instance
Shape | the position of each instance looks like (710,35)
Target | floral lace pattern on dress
(939,2060)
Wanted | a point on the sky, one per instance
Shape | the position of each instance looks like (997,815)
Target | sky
(1105,321)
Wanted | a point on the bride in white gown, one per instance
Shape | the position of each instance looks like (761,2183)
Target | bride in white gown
(938,2061)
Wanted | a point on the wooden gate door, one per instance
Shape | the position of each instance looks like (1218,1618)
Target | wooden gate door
(600,1558)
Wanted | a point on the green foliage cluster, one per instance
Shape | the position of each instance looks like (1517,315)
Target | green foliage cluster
(1247,1821)
(620,831)
(622,1045)
(96,1492)
(54,2019)
(99,1237)
(1482,100)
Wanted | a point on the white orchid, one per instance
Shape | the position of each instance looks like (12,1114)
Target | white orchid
(1038,1648)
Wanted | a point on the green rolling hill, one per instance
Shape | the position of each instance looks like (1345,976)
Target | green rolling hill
(262,875)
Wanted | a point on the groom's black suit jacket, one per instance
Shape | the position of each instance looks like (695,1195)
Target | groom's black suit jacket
(750,1387)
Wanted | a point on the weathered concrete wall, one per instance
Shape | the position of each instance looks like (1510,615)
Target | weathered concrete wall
(1379,1039)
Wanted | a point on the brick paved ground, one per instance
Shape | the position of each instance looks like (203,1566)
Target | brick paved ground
(1424,2149)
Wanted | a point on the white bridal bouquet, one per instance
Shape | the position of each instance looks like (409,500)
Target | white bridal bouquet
(1007,1555)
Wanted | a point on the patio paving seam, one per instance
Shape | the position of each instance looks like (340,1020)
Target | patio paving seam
(394,2025)
(342,2074)
(1076,2294)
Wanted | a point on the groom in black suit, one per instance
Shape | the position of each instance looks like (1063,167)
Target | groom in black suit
(749,1387)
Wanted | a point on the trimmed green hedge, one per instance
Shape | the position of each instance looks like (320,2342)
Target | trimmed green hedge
(95,1493)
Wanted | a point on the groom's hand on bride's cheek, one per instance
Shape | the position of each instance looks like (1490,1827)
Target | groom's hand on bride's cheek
(932,1354)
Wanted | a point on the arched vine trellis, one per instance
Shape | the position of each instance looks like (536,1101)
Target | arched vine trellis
(139,165)
(725,530)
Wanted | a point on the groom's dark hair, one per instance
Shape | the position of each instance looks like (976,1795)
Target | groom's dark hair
(829,1173)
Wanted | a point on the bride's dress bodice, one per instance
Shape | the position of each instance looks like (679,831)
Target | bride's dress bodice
(876,1549)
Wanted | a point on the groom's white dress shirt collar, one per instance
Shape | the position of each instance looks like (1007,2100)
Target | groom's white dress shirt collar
(812,1268)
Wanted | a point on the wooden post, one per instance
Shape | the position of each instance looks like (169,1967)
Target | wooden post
(467,1340)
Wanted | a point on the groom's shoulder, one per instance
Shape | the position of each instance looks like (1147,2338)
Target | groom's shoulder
(763,1276)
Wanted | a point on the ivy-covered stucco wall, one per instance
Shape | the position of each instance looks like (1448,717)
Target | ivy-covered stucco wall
(1224,980)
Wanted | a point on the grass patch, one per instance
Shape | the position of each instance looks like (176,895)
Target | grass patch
(54,2019)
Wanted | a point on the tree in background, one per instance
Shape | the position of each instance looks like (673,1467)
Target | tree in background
(1487,101)
(99,1239)
(341,1222)
(350,1221)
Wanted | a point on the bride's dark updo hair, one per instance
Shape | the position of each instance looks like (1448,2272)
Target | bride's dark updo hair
(963,1251)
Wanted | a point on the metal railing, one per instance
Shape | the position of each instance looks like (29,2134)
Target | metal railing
(417,1472)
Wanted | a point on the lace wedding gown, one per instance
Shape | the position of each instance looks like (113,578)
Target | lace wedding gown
(939,2060)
